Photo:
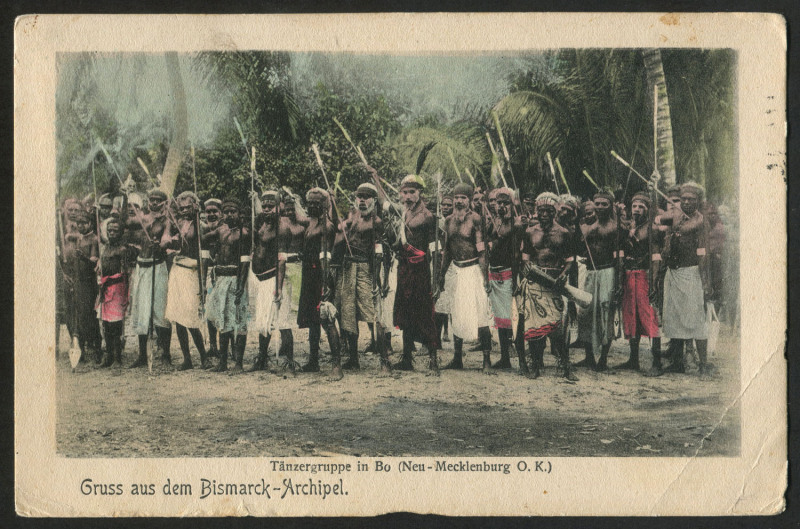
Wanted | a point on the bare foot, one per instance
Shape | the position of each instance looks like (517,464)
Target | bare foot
(336,374)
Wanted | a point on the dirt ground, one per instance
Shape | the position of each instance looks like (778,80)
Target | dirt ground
(131,413)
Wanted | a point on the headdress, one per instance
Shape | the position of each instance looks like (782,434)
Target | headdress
(367,189)
(188,195)
(217,203)
(463,188)
(695,188)
(547,199)
(412,181)
(641,196)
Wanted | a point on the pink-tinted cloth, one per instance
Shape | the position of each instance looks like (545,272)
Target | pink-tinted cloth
(638,316)
(113,297)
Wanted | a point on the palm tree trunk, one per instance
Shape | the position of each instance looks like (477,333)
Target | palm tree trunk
(180,132)
(666,153)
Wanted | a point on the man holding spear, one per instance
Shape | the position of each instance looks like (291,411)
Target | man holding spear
(226,306)
(686,283)
(548,250)
(149,296)
(113,299)
(213,210)
(267,275)
(596,322)
(315,309)
(413,302)
(183,291)
(445,301)
(503,254)
(642,258)
(360,272)
(464,247)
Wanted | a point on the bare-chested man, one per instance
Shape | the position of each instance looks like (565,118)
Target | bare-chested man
(267,274)
(183,291)
(464,247)
(640,254)
(149,294)
(445,301)
(505,235)
(295,221)
(550,248)
(79,258)
(227,302)
(358,291)
(116,262)
(567,215)
(413,302)
(315,309)
(686,283)
(213,216)
(596,322)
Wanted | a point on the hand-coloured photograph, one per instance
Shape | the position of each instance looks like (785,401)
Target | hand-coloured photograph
(346,269)
(476,254)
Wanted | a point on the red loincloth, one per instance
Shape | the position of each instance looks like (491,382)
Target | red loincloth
(113,297)
(413,302)
(638,316)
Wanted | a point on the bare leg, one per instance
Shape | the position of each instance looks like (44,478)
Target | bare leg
(602,363)
(314,333)
(656,370)
(485,338)
(183,340)
(456,362)
(633,360)
(225,340)
(407,363)
(335,345)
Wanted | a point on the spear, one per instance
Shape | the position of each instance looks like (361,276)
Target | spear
(553,172)
(110,161)
(455,165)
(194,177)
(349,139)
(586,174)
(97,222)
(503,145)
(199,242)
(252,197)
(241,134)
(495,158)
(331,191)
(561,172)
(646,181)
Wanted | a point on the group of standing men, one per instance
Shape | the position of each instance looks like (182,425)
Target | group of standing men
(483,260)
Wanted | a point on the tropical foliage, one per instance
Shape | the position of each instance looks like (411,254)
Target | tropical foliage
(576,105)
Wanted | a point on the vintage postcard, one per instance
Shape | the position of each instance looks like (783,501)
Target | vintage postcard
(462,264)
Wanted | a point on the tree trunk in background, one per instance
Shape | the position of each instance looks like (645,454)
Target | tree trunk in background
(180,132)
(666,153)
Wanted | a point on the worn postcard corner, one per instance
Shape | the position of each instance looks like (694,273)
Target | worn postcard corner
(335,265)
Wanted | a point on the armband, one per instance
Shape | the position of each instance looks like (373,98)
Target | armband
(620,254)
(282,256)
(379,249)
(480,246)
(244,259)
(701,252)
(205,254)
(656,257)
(324,255)
(432,246)
(569,259)
(526,257)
